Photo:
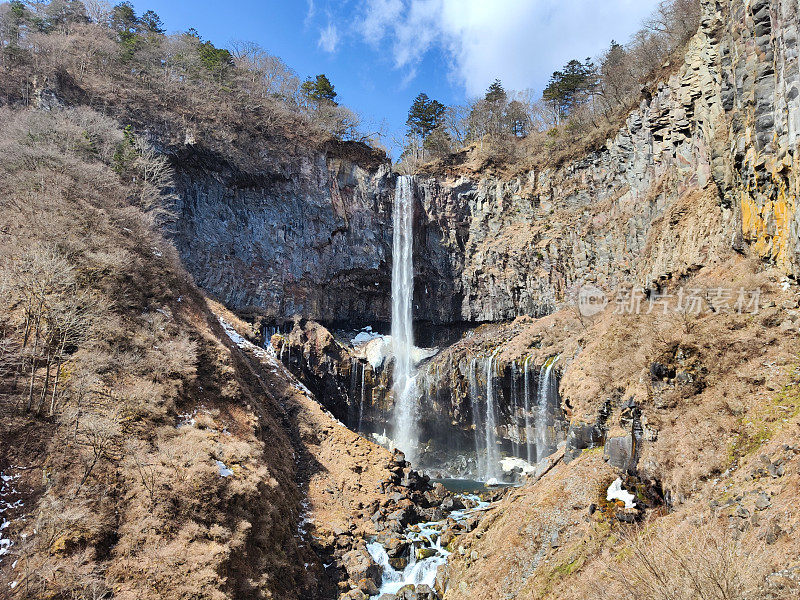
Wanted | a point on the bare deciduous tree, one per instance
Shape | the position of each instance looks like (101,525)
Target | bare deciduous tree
(702,561)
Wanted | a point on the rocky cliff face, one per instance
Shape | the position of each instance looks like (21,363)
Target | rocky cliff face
(303,232)
(716,147)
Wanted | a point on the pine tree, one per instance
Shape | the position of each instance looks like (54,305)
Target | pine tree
(496,94)
(151,22)
(425,115)
(570,87)
(123,20)
(319,90)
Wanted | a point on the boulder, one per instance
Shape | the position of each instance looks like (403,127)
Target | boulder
(423,553)
(369,587)
(619,452)
(424,592)
(580,437)
(360,565)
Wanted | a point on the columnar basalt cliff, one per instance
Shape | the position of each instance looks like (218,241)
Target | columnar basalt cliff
(291,233)
(714,147)
(188,454)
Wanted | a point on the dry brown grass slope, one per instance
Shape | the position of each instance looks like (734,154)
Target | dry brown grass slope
(153,461)
(721,441)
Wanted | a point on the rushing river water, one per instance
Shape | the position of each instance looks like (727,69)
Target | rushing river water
(426,553)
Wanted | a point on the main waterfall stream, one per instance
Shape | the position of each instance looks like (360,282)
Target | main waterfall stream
(404,380)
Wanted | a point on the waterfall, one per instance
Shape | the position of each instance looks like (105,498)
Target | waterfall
(513,432)
(544,405)
(363,396)
(527,393)
(403,381)
(269,331)
(474,397)
(352,408)
(492,454)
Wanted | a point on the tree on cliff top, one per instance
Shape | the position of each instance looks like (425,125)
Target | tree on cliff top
(424,116)
(496,94)
(570,87)
(319,90)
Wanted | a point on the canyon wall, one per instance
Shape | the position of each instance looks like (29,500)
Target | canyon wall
(715,148)
(295,232)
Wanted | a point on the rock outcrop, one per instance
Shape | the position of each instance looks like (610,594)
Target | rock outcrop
(715,148)
(297,232)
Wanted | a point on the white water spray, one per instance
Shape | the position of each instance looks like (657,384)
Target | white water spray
(403,383)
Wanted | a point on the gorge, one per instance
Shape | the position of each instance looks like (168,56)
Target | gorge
(243,357)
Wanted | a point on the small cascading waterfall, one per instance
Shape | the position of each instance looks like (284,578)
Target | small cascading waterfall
(403,380)
(492,453)
(269,331)
(513,431)
(544,404)
(285,351)
(363,397)
(527,402)
(353,410)
(474,397)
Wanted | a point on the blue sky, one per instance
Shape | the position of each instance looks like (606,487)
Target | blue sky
(380,54)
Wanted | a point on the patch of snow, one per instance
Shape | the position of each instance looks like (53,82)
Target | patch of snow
(379,349)
(617,492)
(383,440)
(265,355)
(7,490)
(186,420)
(13,584)
(364,336)
(513,462)
(305,519)
(223,470)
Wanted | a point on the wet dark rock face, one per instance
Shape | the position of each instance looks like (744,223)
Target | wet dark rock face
(305,232)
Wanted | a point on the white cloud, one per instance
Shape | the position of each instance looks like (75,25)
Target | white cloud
(379,14)
(329,38)
(519,41)
(311,13)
